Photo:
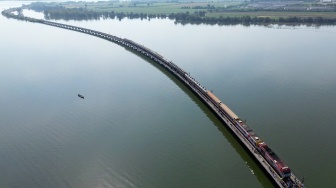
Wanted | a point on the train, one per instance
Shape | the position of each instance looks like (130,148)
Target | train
(272,159)
(259,145)
(268,154)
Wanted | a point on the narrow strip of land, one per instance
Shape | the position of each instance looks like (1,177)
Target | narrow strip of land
(261,13)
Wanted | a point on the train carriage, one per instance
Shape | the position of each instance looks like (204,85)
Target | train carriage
(229,111)
(214,99)
(280,167)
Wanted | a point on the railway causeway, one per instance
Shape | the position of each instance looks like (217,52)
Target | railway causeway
(211,101)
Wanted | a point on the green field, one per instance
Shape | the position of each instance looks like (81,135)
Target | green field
(237,9)
(148,8)
(207,12)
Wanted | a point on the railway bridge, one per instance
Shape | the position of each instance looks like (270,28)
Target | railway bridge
(187,80)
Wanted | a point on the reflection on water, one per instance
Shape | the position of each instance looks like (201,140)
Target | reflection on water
(138,127)
(33,14)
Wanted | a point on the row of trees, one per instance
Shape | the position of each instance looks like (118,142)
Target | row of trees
(73,14)
(247,20)
(197,17)
(59,12)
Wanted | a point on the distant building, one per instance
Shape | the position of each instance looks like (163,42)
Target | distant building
(326,1)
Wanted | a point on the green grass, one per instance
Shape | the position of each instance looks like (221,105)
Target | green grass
(275,14)
(167,8)
(153,8)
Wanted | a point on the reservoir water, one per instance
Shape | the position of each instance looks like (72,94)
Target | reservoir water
(139,127)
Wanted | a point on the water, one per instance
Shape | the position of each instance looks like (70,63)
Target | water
(139,127)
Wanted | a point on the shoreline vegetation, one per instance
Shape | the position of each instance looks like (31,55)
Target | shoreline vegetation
(221,12)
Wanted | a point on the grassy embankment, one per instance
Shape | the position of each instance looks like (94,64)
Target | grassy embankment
(276,14)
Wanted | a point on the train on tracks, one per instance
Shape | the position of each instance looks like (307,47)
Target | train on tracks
(282,170)
(272,159)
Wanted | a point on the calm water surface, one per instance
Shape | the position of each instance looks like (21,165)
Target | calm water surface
(139,127)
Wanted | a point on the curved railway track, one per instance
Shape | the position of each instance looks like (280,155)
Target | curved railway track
(229,118)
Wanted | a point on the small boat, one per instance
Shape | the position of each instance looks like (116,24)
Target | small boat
(81,96)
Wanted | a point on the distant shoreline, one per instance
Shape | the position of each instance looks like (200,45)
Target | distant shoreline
(221,13)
